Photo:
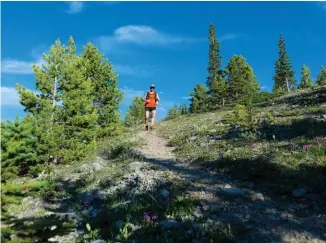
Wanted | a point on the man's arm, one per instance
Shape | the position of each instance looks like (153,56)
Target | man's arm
(158,98)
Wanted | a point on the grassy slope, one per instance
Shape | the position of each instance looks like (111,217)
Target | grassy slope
(278,167)
(279,164)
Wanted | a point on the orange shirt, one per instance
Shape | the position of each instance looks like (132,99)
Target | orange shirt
(151,100)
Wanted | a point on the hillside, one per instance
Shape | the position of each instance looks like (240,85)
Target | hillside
(196,178)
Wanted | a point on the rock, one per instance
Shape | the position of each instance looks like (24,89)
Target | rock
(136,165)
(169,223)
(59,186)
(164,193)
(233,192)
(197,213)
(299,192)
(205,207)
(97,166)
(192,138)
(53,227)
(257,197)
(28,223)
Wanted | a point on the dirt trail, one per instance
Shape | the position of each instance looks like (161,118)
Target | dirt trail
(228,201)
(155,147)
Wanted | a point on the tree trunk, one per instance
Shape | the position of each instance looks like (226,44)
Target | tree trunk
(287,85)
(54,96)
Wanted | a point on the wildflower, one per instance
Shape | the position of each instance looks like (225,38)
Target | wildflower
(220,155)
(25,188)
(147,217)
(306,147)
(86,203)
(154,217)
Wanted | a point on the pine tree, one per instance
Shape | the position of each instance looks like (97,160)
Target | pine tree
(215,80)
(321,79)
(218,92)
(214,57)
(174,112)
(79,114)
(199,99)
(44,108)
(17,148)
(284,75)
(243,86)
(107,96)
(306,80)
(135,113)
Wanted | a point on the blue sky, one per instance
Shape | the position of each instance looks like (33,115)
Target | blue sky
(164,43)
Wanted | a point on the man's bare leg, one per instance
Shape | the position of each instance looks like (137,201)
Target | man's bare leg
(146,119)
(153,118)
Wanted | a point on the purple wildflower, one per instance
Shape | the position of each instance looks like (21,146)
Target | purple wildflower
(154,217)
(147,217)
(220,155)
(306,147)
(86,203)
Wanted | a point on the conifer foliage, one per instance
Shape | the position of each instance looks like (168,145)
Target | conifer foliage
(75,104)
(306,80)
(321,79)
(136,112)
(284,75)
(17,148)
(243,86)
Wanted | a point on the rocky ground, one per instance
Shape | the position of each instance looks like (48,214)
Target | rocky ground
(188,181)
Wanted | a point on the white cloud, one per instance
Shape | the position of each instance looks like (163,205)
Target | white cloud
(9,97)
(232,36)
(75,7)
(186,97)
(140,35)
(12,66)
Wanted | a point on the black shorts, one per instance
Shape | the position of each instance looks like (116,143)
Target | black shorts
(150,109)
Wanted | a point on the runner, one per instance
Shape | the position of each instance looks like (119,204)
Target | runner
(151,100)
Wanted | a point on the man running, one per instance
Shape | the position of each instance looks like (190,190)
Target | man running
(151,99)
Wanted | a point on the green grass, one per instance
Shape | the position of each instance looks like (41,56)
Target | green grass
(271,153)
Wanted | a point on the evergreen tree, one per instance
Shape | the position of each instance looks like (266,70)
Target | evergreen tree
(215,80)
(284,75)
(107,96)
(79,114)
(17,148)
(306,80)
(199,99)
(243,86)
(184,110)
(135,113)
(174,112)
(214,57)
(321,79)
(218,92)
(44,108)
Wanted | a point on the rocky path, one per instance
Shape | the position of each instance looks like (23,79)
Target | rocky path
(245,207)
